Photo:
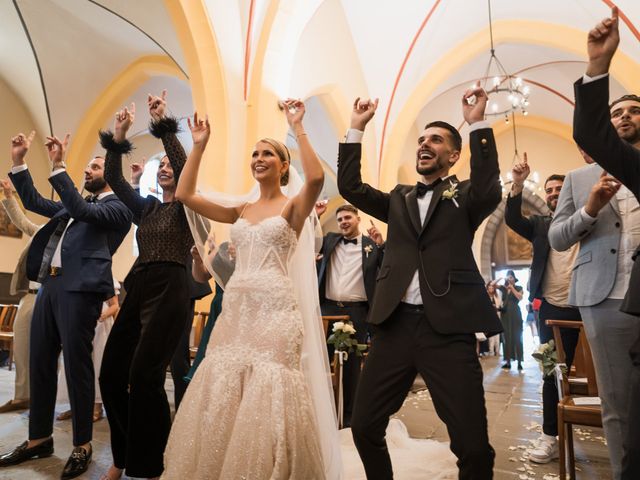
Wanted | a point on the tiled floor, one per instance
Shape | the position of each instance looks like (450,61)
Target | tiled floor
(513,404)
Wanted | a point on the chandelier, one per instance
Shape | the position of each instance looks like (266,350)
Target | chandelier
(507,93)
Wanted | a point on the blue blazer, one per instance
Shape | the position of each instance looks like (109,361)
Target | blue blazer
(90,241)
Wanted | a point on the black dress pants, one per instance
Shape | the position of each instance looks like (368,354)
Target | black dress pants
(631,459)
(353,366)
(68,320)
(181,361)
(404,345)
(569,336)
(136,357)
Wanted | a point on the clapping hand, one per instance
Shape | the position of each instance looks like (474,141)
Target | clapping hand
(601,193)
(157,105)
(474,102)
(375,234)
(20,146)
(124,120)
(137,169)
(602,44)
(56,150)
(200,130)
(363,111)
(294,111)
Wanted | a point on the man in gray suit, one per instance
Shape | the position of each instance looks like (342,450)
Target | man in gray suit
(595,210)
(20,284)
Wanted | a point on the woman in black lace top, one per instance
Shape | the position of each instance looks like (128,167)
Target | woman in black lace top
(155,309)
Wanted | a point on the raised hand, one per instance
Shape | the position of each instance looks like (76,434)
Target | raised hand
(7,187)
(520,172)
(474,102)
(375,234)
(124,120)
(137,169)
(321,207)
(294,111)
(601,193)
(20,146)
(56,150)
(157,105)
(602,43)
(200,130)
(363,111)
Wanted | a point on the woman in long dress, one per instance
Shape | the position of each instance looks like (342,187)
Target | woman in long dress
(512,321)
(248,412)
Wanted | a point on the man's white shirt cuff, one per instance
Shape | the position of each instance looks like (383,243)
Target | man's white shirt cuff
(586,217)
(587,79)
(479,125)
(57,171)
(19,168)
(353,136)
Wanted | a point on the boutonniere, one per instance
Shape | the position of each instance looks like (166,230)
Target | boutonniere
(451,193)
(368,249)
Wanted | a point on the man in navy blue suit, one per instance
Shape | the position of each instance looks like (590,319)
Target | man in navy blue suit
(71,257)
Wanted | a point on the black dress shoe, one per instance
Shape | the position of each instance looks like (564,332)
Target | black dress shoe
(507,366)
(78,463)
(519,366)
(21,453)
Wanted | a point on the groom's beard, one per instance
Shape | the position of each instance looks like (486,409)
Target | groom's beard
(438,165)
(95,185)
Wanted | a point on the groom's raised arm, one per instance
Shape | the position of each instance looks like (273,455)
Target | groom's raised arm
(361,195)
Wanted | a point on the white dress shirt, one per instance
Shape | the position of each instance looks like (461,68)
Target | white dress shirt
(56,259)
(345,280)
(412,294)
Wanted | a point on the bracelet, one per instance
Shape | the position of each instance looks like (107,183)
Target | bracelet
(300,135)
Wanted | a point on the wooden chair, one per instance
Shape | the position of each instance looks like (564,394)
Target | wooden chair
(569,413)
(199,320)
(7,317)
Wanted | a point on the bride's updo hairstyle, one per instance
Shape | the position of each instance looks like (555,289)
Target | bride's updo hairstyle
(283,153)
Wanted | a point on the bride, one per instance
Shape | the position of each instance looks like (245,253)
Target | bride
(260,405)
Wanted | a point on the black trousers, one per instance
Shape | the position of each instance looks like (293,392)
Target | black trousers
(181,361)
(353,366)
(134,365)
(64,320)
(631,459)
(569,336)
(404,345)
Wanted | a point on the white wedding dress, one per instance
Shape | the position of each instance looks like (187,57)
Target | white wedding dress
(248,412)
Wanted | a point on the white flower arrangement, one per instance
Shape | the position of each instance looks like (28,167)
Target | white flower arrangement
(451,193)
(342,338)
(368,249)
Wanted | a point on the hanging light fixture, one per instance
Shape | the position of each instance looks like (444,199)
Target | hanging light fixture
(507,93)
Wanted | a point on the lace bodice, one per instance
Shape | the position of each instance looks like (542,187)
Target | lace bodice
(263,248)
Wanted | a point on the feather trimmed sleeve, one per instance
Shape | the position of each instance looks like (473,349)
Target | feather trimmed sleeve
(166,130)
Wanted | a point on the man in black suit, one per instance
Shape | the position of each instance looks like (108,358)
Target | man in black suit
(611,135)
(347,280)
(550,281)
(430,297)
(71,257)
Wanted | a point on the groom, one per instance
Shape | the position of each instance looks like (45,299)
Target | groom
(430,297)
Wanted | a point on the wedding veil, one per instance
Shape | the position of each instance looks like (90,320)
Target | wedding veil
(302,271)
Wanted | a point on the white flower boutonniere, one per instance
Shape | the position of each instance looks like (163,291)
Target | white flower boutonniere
(451,193)
(368,249)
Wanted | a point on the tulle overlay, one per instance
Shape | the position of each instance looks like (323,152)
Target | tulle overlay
(247,412)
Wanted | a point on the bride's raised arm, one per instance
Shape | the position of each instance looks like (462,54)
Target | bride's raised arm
(303,203)
(186,190)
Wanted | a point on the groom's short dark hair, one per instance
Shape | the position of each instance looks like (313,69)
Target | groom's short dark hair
(623,98)
(455,135)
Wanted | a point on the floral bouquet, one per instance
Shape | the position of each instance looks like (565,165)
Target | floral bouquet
(342,339)
(547,357)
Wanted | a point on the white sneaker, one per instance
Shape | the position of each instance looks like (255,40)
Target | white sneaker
(544,450)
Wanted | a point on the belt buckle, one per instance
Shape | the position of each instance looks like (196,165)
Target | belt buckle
(55,271)
(340,304)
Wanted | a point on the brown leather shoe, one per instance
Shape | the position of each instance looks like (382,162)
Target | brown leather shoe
(13,405)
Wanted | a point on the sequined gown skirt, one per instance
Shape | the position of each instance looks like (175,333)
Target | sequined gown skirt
(247,413)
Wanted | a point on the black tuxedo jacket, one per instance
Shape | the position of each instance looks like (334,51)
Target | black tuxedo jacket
(92,238)
(593,131)
(370,263)
(452,289)
(536,230)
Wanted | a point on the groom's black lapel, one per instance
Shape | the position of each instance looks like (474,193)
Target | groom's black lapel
(411,199)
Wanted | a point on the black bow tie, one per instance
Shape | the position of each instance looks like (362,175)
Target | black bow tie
(423,188)
(91,198)
(347,241)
